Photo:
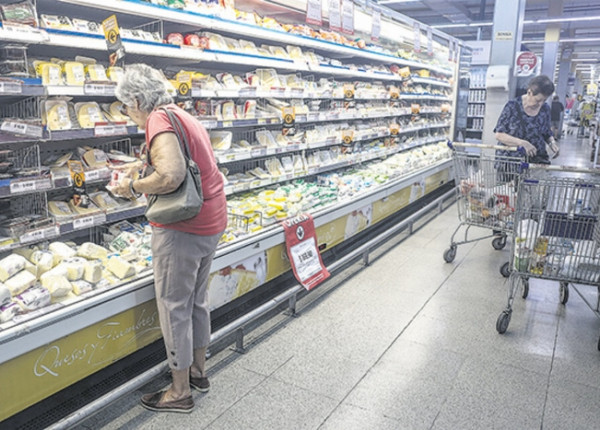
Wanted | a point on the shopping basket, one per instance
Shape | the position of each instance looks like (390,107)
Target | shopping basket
(556,234)
(486,186)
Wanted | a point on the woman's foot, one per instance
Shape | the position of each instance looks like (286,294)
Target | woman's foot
(161,402)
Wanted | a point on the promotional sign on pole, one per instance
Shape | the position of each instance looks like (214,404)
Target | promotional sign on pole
(417,35)
(376,24)
(348,16)
(335,17)
(525,63)
(301,245)
(112,34)
(313,12)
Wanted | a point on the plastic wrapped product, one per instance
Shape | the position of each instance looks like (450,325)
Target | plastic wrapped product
(9,311)
(11,265)
(59,286)
(20,282)
(115,73)
(81,287)
(74,73)
(61,251)
(5,295)
(88,114)
(21,13)
(221,140)
(93,271)
(44,261)
(120,268)
(33,298)
(96,72)
(175,39)
(91,251)
(75,267)
(56,115)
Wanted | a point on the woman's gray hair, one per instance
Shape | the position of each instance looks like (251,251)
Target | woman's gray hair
(143,87)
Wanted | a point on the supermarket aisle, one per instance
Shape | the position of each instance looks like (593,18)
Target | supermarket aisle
(408,343)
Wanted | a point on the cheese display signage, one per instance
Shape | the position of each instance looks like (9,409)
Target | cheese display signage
(301,244)
(313,12)
(114,44)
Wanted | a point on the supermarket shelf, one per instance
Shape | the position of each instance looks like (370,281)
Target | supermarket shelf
(474,130)
(17,88)
(21,186)
(428,81)
(54,322)
(477,88)
(208,22)
(89,89)
(475,116)
(352,161)
(15,131)
(477,103)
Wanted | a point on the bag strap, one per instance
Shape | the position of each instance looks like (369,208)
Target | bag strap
(179,132)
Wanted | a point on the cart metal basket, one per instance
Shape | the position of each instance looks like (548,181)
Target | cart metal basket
(486,188)
(556,234)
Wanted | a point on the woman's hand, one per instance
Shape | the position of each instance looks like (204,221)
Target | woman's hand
(131,170)
(123,188)
(554,147)
(530,150)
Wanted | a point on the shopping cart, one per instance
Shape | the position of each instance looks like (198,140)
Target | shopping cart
(486,186)
(556,234)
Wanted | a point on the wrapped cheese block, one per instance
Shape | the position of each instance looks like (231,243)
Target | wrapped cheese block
(81,287)
(4,295)
(57,115)
(120,268)
(93,271)
(95,158)
(20,282)
(91,251)
(88,114)
(9,311)
(75,267)
(61,251)
(59,286)
(26,252)
(11,265)
(44,260)
(74,73)
(33,298)
(59,209)
(33,269)
(115,73)
(96,72)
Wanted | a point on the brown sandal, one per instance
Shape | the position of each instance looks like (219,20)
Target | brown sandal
(154,402)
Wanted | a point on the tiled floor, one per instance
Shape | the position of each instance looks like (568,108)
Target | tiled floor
(407,343)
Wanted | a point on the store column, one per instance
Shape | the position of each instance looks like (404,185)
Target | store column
(506,42)
(551,39)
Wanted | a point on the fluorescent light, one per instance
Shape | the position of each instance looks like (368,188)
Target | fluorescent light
(571,19)
(586,60)
(489,23)
(469,24)
(581,39)
(396,1)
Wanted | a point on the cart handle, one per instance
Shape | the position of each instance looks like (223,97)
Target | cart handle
(572,169)
(519,149)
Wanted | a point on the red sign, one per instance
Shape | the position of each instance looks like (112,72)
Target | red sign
(301,244)
(525,63)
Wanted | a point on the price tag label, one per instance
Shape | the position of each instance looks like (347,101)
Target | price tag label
(22,128)
(11,87)
(335,15)
(227,124)
(348,16)
(19,187)
(257,152)
(394,129)
(41,234)
(313,12)
(94,175)
(85,222)
(99,90)
(261,121)
(110,130)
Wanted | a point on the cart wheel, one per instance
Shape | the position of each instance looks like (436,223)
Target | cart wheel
(499,243)
(525,288)
(505,270)
(502,322)
(450,254)
(564,292)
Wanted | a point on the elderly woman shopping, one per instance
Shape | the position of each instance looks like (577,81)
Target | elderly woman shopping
(182,251)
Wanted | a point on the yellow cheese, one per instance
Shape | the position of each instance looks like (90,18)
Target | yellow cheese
(81,287)
(51,74)
(96,72)
(91,251)
(120,268)
(93,271)
(95,158)
(115,73)
(74,73)
(57,115)
(5,295)
(20,282)
(75,267)
(61,251)
(11,265)
(88,114)
(59,209)
(59,286)
(44,261)
(115,112)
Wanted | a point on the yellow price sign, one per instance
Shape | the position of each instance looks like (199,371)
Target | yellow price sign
(288,114)
(347,137)
(349,91)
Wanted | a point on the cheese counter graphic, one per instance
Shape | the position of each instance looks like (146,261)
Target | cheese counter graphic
(234,281)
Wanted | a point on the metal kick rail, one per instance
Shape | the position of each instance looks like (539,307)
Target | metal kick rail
(237,326)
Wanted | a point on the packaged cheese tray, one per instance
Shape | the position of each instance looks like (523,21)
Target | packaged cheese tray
(89,114)
(55,115)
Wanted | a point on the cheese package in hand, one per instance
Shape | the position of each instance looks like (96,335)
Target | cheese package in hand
(120,268)
(33,298)
(20,282)
(11,265)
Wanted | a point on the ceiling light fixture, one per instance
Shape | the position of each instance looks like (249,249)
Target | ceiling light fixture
(527,21)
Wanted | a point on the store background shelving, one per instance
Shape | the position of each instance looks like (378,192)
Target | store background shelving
(476,109)
(397,134)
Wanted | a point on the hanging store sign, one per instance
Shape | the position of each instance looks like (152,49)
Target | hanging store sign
(348,16)
(116,51)
(592,89)
(376,24)
(417,37)
(335,15)
(504,35)
(313,12)
(525,63)
(301,245)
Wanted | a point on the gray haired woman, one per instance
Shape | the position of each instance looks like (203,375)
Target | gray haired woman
(182,251)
